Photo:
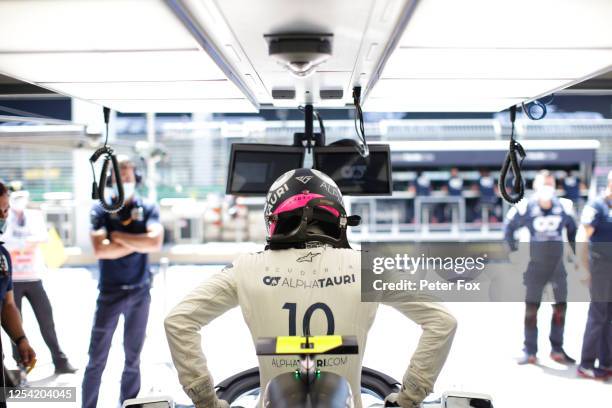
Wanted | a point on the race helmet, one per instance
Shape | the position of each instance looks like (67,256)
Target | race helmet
(305,205)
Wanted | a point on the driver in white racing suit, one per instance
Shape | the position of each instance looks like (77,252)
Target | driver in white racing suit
(307,281)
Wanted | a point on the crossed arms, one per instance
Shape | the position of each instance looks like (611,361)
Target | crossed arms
(121,244)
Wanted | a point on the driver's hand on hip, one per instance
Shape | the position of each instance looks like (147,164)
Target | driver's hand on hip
(394,400)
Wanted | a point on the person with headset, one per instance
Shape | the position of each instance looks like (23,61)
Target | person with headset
(122,242)
(546,216)
(9,314)
(306,224)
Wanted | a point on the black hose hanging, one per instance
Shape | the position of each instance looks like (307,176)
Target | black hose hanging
(364,150)
(512,162)
(97,191)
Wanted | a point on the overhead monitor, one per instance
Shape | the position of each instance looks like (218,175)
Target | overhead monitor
(253,167)
(354,174)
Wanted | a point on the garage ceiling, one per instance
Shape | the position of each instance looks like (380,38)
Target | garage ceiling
(210,55)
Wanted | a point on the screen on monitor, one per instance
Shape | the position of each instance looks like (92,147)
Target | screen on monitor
(354,174)
(254,167)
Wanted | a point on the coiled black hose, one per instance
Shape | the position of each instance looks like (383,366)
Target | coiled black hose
(97,191)
(512,163)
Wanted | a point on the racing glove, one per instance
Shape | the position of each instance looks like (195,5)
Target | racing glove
(397,399)
(217,404)
(203,395)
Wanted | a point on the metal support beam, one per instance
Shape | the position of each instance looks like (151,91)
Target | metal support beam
(397,33)
(181,11)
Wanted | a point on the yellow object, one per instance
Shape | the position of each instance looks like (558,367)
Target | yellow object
(53,250)
(31,366)
(317,344)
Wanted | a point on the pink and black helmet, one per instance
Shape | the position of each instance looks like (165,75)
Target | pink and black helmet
(306,205)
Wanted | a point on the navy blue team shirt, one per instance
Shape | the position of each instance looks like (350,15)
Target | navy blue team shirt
(597,214)
(545,226)
(571,185)
(6,273)
(131,271)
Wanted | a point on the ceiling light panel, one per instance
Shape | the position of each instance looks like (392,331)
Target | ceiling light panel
(93,25)
(495,63)
(441,105)
(185,105)
(516,24)
(111,66)
(415,89)
(149,90)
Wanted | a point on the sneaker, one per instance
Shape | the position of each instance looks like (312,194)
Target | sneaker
(65,368)
(607,369)
(592,373)
(527,358)
(561,357)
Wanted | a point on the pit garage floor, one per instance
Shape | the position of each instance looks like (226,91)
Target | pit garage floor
(482,360)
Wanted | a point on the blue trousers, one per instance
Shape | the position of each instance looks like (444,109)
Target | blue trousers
(134,305)
(597,340)
(536,277)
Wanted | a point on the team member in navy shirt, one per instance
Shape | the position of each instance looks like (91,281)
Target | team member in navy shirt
(11,319)
(596,225)
(455,183)
(488,194)
(545,216)
(571,187)
(122,242)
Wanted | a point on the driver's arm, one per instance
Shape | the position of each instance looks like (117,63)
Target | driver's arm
(430,355)
(208,301)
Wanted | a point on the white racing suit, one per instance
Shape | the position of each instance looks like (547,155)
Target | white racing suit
(281,291)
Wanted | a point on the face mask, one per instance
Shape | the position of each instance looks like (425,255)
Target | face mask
(3,225)
(129,189)
(546,193)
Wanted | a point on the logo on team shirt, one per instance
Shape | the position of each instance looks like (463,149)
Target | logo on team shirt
(271,280)
(296,283)
(548,223)
(304,179)
(308,257)
(3,265)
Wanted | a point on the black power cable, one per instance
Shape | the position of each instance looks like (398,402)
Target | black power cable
(97,191)
(310,137)
(512,163)
(320,120)
(364,151)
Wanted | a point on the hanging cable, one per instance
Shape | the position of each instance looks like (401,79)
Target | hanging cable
(359,123)
(319,119)
(512,163)
(97,191)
